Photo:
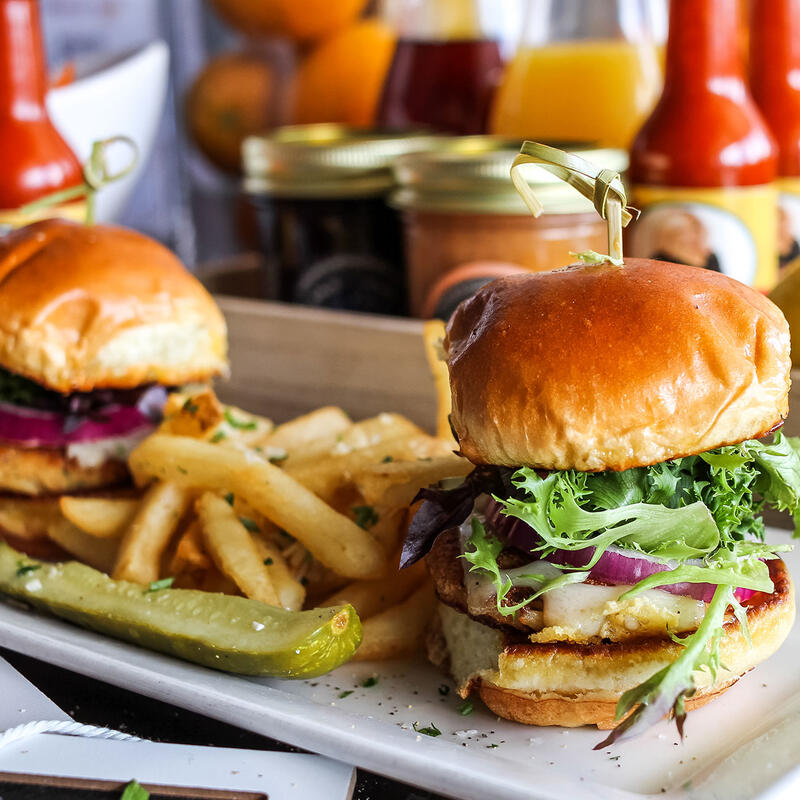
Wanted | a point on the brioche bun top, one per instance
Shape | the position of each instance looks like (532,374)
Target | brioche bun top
(88,307)
(599,367)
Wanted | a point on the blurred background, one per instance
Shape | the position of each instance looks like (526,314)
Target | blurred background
(354,154)
(238,67)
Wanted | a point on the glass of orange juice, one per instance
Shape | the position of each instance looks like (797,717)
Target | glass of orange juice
(585,70)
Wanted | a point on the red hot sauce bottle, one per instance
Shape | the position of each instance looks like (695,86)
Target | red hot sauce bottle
(775,83)
(704,163)
(36,159)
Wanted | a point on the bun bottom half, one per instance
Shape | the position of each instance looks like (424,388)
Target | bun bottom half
(572,684)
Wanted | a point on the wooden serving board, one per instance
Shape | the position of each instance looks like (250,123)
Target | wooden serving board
(286,360)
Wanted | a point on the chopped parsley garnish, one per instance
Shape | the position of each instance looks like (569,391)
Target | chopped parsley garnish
(250,524)
(268,562)
(430,730)
(157,586)
(387,460)
(190,406)
(346,693)
(229,498)
(134,791)
(366,516)
(240,425)
(218,437)
(466,708)
(26,569)
(182,470)
(371,681)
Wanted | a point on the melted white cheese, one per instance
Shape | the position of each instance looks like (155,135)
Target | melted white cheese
(93,454)
(580,612)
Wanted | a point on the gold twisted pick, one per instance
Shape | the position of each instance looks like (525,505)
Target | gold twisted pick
(603,187)
(96,175)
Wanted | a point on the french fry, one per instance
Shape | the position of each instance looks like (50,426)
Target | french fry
(103,517)
(397,482)
(400,630)
(190,555)
(433,334)
(375,596)
(98,553)
(325,475)
(197,414)
(239,426)
(331,537)
(28,518)
(386,525)
(214,581)
(188,462)
(375,431)
(325,423)
(233,549)
(200,415)
(291,593)
(150,531)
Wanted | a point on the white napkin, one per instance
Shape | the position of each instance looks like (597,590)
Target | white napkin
(282,776)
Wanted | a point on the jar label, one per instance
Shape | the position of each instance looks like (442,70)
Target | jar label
(12,218)
(788,221)
(730,230)
(351,282)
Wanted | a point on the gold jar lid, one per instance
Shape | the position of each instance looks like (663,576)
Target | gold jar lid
(326,160)
(471,174)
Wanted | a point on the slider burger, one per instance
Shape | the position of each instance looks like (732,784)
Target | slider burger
(605,562)
(96,323)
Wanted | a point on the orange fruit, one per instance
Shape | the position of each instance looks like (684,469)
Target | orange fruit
(303,20)
(341,79)
(231,98)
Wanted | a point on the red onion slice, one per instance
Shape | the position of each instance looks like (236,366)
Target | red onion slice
(30,427)
(616,566)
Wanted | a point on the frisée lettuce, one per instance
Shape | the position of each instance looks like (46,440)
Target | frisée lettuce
(701,514)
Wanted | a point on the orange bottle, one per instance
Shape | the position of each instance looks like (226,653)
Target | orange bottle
(704,163)
(36,159)
(774,67)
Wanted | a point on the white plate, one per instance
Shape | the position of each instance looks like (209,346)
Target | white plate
(744,745)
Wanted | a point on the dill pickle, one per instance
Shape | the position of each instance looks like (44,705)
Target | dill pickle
(228,633)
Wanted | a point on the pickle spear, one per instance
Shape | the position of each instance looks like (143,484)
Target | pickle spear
(228,633)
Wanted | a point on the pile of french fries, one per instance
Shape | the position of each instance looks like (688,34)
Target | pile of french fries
(308,513)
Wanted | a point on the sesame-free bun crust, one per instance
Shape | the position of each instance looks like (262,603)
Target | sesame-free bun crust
(87,307)
(597,367)
(570,684)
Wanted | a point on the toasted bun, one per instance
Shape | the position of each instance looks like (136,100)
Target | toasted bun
(597,367)
(83,308)
(571,684)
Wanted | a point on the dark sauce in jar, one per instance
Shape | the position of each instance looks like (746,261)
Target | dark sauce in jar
(328,236)
(343,253)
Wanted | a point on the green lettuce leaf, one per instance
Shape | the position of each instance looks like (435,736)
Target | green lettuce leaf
(778,465)
(482,550)
(668,689)
(551,507)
